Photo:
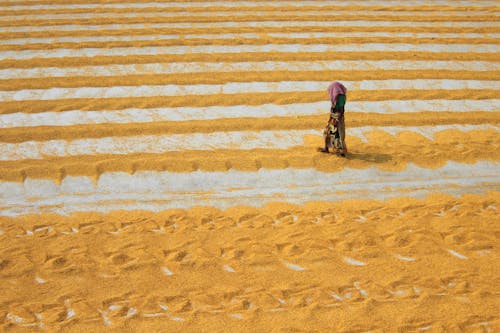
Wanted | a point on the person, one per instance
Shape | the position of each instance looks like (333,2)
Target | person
(335,129)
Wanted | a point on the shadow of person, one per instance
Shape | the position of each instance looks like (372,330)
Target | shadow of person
(369,157)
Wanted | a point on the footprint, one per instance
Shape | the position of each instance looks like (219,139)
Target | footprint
(15,264)
(59,264)
(120,259)
(231,253)
(292,250)
(55,313)
(286,218)
(4,263)
(254,220)
(175,255)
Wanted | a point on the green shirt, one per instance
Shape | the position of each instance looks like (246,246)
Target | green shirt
(340,100)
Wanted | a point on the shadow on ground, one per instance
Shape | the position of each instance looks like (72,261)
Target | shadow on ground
(369,157)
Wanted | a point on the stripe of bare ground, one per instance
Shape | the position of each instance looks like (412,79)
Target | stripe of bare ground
(228,11)
(193,5)
(191,2)
(240,57)
(393,153)
(226,77)
(392,16)
(18,10)
(250,18)
(369,48)
(131,31)
(292,37)
(247,41)
(354,119)
(37,106)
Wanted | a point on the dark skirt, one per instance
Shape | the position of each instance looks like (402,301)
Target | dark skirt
(338,109)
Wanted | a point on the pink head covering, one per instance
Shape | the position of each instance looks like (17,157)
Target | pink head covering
(334,89)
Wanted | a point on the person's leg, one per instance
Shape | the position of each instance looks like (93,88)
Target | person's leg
(325,150)
(341,127)
(326,134)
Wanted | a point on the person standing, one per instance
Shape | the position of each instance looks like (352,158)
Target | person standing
(335,129)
